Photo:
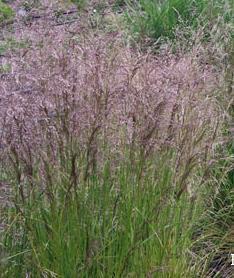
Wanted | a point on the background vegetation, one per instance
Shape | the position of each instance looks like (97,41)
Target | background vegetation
(6,13)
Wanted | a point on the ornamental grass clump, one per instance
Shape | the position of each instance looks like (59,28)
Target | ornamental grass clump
(107,150)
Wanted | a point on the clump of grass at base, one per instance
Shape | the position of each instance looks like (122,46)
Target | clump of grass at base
(113,225)
(6,13)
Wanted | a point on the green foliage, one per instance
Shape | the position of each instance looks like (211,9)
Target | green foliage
(155,19)
(214,244)
(79,3)
(159,18)
(118,5)
(109,225)
(6,13)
